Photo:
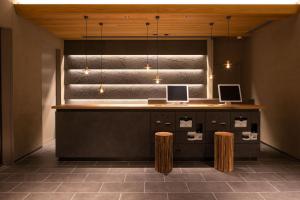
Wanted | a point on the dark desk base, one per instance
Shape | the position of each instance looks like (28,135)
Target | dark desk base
(128,135)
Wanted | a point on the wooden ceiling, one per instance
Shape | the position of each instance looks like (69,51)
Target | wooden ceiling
(185,21)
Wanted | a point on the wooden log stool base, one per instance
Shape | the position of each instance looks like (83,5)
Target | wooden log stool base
(163,152)
(223,160)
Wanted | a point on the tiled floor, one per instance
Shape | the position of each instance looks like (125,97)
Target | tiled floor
(42,177)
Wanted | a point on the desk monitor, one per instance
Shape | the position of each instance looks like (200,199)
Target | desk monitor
(177,93)
(229,93)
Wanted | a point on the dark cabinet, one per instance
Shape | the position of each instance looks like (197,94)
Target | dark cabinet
(185,121)
(217,121)
(163,121)
(245,123)
(182,137)
(188,151)
(249,151)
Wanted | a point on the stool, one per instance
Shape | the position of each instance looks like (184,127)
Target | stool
(163,152)
(223,160)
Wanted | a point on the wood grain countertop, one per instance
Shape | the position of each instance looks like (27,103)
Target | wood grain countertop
(156,106)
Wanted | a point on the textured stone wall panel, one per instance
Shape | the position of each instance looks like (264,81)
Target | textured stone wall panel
(135,77)
(136,62)
(126,92)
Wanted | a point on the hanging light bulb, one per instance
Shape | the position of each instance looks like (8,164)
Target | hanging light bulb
(86,68)
(228,64)
(148,67)
(157,78)
(86,71)
(101,89)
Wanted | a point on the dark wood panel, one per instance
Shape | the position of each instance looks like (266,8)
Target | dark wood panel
(136,47)
(189,151)
(246,151)
(106,135)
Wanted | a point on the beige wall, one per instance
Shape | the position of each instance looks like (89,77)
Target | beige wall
(272,77)
(33,81)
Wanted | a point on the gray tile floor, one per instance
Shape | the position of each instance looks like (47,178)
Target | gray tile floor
(41,177)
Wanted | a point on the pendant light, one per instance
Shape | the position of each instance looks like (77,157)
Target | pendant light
(157,79)
(228,64)
(148,67)
(86,68)
(101,89)
(211,76)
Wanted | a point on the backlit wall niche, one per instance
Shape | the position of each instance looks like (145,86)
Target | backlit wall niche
(125,77)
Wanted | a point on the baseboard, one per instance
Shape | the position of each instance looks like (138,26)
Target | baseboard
(27,154)
(282,152)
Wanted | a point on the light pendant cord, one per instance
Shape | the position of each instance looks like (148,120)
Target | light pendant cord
(85,46)
(101,90)
(157,50)
(147,25)
(211,38)
(228,63)
(101,56)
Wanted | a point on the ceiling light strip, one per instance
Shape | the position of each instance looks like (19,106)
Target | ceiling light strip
(141,70)
(130,85)
(134,56)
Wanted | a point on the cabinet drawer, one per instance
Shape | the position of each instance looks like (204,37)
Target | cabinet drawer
(182,137)
(217,121)
(189,151)
(251,125)
(241,120)
(163,121)
(184,119)
(238,138)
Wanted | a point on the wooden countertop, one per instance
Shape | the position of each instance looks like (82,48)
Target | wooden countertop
(156,106)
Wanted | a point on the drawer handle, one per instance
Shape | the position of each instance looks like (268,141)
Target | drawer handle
(158,122)
(213,121)
(222,123)
(168,123)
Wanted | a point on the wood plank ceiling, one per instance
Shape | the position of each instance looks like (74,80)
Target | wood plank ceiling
(128,21)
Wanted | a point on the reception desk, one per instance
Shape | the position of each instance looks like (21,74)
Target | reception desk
(126,131)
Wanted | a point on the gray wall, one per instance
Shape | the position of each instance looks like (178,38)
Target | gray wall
(272,77)
(33,86)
